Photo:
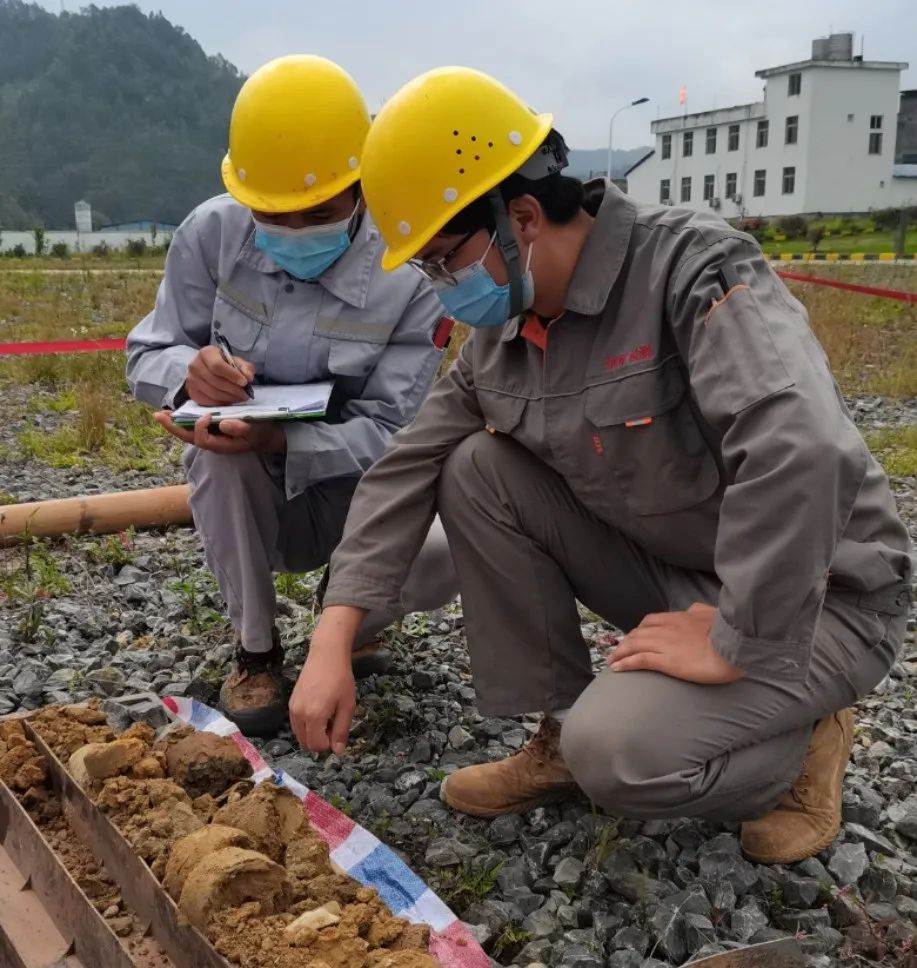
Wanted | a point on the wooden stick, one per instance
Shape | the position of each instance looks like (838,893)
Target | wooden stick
(154,507)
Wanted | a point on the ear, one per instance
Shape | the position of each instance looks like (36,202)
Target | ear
(528,215)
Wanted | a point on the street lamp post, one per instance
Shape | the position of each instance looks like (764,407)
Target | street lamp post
(633,104)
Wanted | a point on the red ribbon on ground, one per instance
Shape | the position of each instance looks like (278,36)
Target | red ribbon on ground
(95,345)
(908,297)
(61,346)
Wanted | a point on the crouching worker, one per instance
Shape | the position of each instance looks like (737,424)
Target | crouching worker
(641,421)
(286,269)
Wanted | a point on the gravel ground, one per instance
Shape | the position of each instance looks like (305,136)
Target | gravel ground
(564,886)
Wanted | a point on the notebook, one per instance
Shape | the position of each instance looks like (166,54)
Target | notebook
(303,401)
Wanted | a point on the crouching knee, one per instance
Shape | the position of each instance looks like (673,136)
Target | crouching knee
(615,766)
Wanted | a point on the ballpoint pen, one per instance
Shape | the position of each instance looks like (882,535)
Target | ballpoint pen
(226,350)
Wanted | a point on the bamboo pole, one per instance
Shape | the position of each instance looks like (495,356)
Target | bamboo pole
(154,507)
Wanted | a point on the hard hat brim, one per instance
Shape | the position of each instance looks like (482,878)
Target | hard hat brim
(280,203)
(395,256)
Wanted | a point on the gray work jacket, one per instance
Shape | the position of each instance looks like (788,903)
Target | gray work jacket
(685,400)
(370,331)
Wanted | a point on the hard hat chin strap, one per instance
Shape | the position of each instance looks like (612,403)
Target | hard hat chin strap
(509,247)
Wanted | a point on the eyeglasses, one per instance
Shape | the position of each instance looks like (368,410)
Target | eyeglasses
(436,271)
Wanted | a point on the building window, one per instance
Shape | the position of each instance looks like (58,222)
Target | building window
(760,182)
(709,183)
(792,129)
(795,85)
(711,141)
(875,122)
(732,180)
(686,189)
(789,181)
(764,128)
(733,137)
(688,145)
(875,142)
(666,146)
(665,190)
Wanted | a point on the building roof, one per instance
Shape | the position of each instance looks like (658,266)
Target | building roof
(713,116)
(637,164)
(858,64)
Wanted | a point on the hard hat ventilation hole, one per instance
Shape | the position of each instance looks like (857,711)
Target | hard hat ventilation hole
(450,194)
(515,138)
(404,228)
(242,174)
(458,151)
(490,144)
(461,171)
(474,137)
(477,157)
(455,133)
(310,180)
(352,162)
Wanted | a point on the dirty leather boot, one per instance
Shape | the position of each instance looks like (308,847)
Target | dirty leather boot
(254,695)
(808,818)
(534,776)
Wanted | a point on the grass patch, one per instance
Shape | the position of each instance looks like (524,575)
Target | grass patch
(896,450)
(874,241)
(510,941)
(467,884)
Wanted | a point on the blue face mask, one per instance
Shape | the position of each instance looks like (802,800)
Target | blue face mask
(304,253)
(477,300)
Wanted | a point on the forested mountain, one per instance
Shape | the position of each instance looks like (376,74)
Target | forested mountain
(111,105)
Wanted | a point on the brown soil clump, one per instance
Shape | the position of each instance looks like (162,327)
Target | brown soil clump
(191,850)
(206,763)
(151,814)
(66,728)
(21,767)
(231,877)
(270,815)
(100,761)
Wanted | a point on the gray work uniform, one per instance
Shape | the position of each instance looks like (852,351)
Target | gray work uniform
(679,438)
(369,331)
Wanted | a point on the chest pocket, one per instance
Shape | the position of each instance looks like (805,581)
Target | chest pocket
(646,432)
(241,321)
(501,410)
(354,345)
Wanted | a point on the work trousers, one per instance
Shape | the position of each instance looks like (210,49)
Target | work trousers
(640,744)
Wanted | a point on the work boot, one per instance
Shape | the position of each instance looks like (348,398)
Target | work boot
(254,695)
(530,778)
(808,818)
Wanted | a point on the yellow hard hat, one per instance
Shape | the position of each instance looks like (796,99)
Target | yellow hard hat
(442,141)
(296,135)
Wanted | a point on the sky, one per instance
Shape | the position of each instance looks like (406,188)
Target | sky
(579,59)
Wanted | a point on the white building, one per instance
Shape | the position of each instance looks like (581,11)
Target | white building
(822,140)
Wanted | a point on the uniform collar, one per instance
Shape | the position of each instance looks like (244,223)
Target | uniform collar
(600,262)
(348,279)
(603,255)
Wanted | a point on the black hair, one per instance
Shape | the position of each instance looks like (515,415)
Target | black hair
(559,195)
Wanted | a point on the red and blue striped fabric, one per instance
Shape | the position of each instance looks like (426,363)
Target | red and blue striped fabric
(354,849)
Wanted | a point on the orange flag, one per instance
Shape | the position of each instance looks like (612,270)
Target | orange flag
(683,95)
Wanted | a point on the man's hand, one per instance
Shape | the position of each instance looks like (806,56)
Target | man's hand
(676,644)
(235,437)
(212,382)
(325,696)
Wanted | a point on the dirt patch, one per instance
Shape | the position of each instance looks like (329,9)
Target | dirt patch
(191,850)
(206,763)
(270,815)
(21,767)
